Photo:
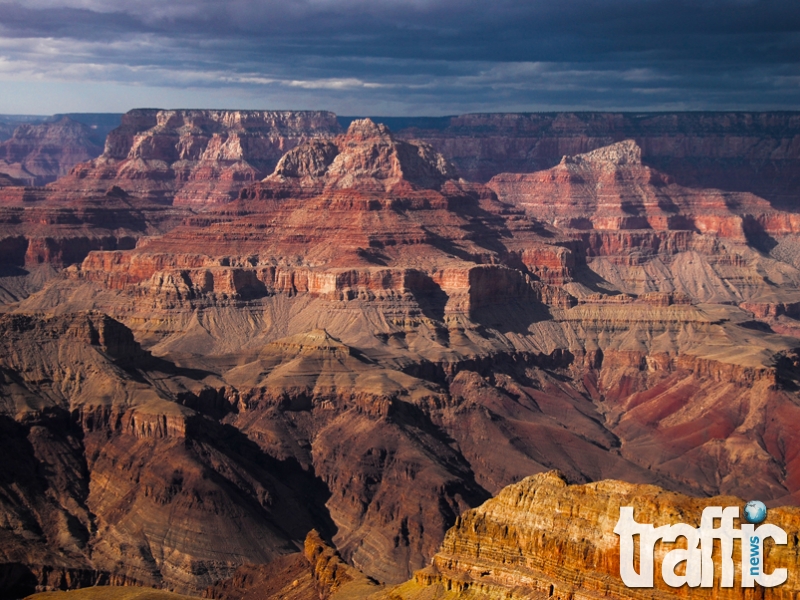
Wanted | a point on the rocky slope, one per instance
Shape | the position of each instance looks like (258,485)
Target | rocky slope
(195,157)
(41,233)
(364,344)
(316,572)
(8,123)
(639,229)
(39,153)
(37,229)
(116,479)
(743,152)
(542,538)
(111,593)
(538,538)
(8,181)
(610,189)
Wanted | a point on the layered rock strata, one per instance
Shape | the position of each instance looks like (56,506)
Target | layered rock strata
(117,480)
(36,229)
(643,233)
(40,153)
(538,538)
(542,538)
(610,189)
(195,157)
(750,152)
(366,337)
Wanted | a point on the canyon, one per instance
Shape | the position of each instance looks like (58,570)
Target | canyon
(39,151)
(732,151)
(186,157)
(515,546)
(233,329)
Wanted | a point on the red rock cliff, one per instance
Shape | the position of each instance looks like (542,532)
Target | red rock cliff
(195,157)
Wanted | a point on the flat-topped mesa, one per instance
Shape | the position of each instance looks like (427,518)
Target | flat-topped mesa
(196,157)
(174,280)
(367,158)
(610,189)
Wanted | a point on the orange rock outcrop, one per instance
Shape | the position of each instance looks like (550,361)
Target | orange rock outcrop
(543,538)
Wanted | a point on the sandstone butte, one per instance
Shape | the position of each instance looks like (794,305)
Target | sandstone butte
(364,344)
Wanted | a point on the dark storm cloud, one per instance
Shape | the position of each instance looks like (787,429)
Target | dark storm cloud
(424,55)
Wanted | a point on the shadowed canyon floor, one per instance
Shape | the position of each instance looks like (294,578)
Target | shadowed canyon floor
(364,344)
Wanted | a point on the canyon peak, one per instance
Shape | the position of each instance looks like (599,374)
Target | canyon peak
(367,157)
(195,157)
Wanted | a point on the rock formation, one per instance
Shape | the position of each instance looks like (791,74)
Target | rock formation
(610,189)
(6,128)
(636,222)
(364,344)
(138,485)
(744,152)
(195,157)
(539,538)
(8,181)
(316,573)
(542,538)
(111,593)
(35,230)
(37,154)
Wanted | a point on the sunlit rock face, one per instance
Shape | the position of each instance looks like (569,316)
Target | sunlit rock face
(544,538)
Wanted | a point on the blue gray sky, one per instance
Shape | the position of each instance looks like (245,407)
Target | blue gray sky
(399,57)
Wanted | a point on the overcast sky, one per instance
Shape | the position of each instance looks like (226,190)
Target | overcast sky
(399,57)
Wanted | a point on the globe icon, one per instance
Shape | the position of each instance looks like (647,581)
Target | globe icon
(755,511)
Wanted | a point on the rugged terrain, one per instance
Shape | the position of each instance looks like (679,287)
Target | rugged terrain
(366,344)
(111,593)
(39,153)
(195,157)
(743,152)
(8,123)
(517,546)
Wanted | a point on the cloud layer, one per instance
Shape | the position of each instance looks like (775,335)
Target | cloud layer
(400,57)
